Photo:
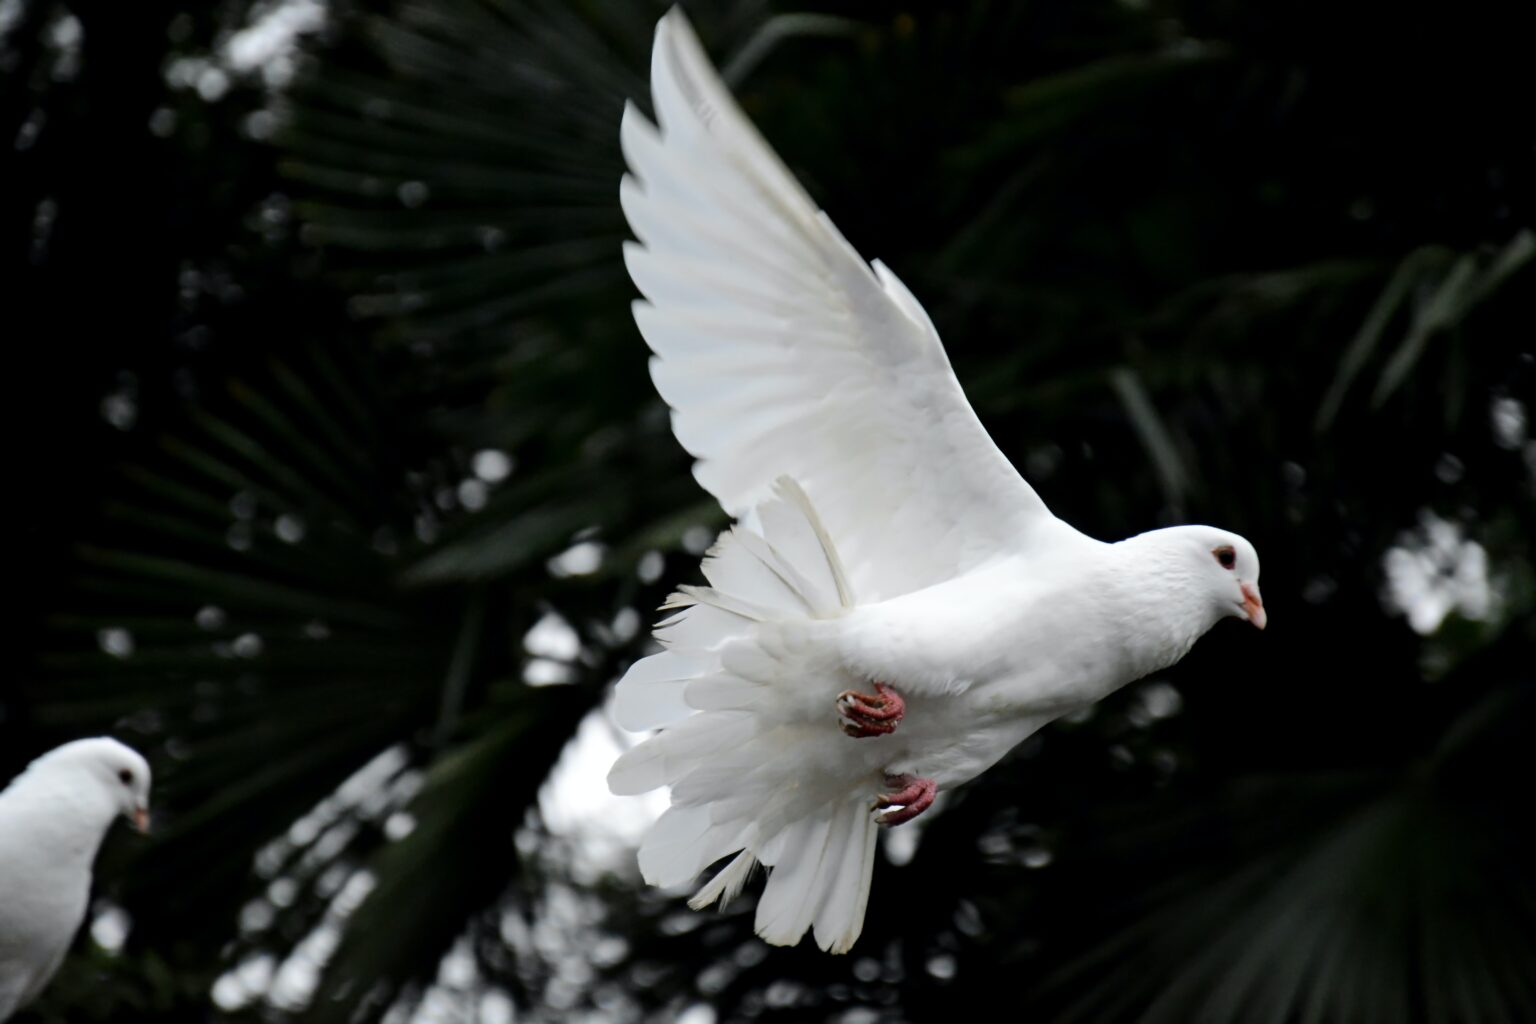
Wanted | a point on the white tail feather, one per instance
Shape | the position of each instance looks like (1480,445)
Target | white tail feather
(726,885)
(747,719)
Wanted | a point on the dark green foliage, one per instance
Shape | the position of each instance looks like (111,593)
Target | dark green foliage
(1263,265)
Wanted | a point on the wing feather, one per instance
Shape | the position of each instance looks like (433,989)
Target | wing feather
(782,352)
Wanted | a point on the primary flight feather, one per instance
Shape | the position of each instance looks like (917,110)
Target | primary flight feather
(896,608)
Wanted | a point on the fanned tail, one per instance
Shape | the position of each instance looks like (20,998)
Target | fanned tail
(748,741)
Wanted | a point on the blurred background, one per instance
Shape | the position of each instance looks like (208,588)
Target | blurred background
(340,490)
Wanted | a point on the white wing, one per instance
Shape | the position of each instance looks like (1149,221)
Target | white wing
(781,351)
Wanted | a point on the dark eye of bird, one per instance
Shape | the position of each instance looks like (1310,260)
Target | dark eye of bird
(126,776)
(1226,556)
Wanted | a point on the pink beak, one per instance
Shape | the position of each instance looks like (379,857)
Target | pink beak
(1253,605)
(141,819)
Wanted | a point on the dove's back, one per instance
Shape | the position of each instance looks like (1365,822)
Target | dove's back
(45,882)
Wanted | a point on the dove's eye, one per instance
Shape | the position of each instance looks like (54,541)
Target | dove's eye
(1226,556)
(126,776)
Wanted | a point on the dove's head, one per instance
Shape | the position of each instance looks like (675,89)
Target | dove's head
(1215,570)
(103,772)
(1228,568)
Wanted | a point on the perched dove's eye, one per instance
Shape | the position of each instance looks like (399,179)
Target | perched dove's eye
(126,776)
(1226,556)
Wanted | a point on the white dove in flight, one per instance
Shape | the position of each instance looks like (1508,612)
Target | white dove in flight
(53,817)
(895,608)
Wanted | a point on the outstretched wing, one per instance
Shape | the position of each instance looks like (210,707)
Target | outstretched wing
(781,352)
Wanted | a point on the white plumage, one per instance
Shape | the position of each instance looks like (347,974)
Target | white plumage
(53,818)
(882,537)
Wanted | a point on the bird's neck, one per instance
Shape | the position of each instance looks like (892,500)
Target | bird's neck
(1161,609)
(63,822)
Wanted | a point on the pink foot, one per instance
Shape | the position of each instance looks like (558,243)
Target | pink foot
(913,795)
(860,715)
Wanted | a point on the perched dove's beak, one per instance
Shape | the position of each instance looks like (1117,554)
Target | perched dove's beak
(1253,605)
(141,819)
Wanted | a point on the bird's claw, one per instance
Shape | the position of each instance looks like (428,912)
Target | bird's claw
(912,796)
(863,714)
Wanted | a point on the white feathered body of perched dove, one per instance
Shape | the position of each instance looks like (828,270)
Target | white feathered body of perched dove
(53,817)
(895,607)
